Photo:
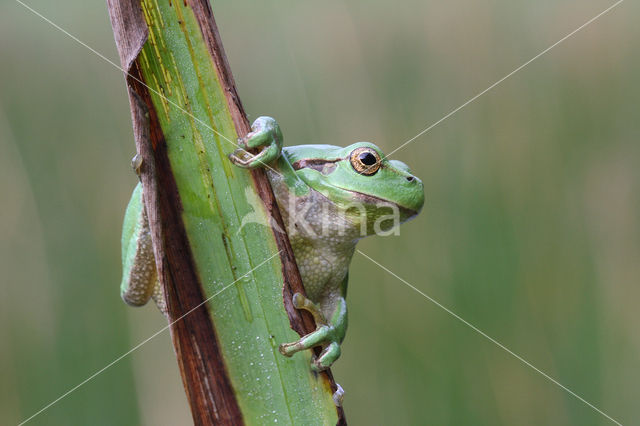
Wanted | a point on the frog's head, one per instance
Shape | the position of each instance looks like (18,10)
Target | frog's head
(359,180)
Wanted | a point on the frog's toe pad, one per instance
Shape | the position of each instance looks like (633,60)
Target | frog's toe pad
(240,157)
(298,301)
(287,349)
(338,396)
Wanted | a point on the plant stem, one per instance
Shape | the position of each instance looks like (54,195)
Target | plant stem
(186,115)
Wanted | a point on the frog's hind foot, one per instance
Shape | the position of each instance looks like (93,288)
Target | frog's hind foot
(324,335)
(338,395)
(313,339)
(301,302)
(327,357)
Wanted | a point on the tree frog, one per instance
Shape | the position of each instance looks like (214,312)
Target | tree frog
(329,197)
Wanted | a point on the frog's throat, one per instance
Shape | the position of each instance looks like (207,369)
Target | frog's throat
(405,212)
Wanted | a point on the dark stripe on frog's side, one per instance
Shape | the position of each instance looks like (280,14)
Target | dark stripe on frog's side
(324,166)
(321,165)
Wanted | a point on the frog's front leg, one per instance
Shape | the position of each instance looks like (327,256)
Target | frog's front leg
(328,334)
(265,133)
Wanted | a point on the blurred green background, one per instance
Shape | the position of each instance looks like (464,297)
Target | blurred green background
(531,229)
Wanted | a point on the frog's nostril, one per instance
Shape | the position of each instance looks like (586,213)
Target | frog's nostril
(410,178)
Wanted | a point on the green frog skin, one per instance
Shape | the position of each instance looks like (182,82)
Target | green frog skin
(329,197)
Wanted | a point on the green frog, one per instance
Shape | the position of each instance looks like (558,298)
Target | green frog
(329,197)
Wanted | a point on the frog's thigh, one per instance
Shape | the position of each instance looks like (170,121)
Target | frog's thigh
(139,266)
(158,297)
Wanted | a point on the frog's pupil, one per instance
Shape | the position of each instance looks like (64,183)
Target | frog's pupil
(367,158)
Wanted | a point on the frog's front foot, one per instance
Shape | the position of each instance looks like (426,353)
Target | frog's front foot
(325,335)
(265,135)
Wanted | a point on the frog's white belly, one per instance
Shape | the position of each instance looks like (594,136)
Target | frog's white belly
(322,268)
(322,238)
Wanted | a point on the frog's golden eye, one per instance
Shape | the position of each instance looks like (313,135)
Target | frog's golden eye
(365,161)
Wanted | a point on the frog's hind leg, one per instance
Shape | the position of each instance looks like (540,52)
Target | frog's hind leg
(327,357)
(301,302)
(321,336)
(311,340)
(139,276)
(328,334)
(158,297)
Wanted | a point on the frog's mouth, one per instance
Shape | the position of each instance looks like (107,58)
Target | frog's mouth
(405,212)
